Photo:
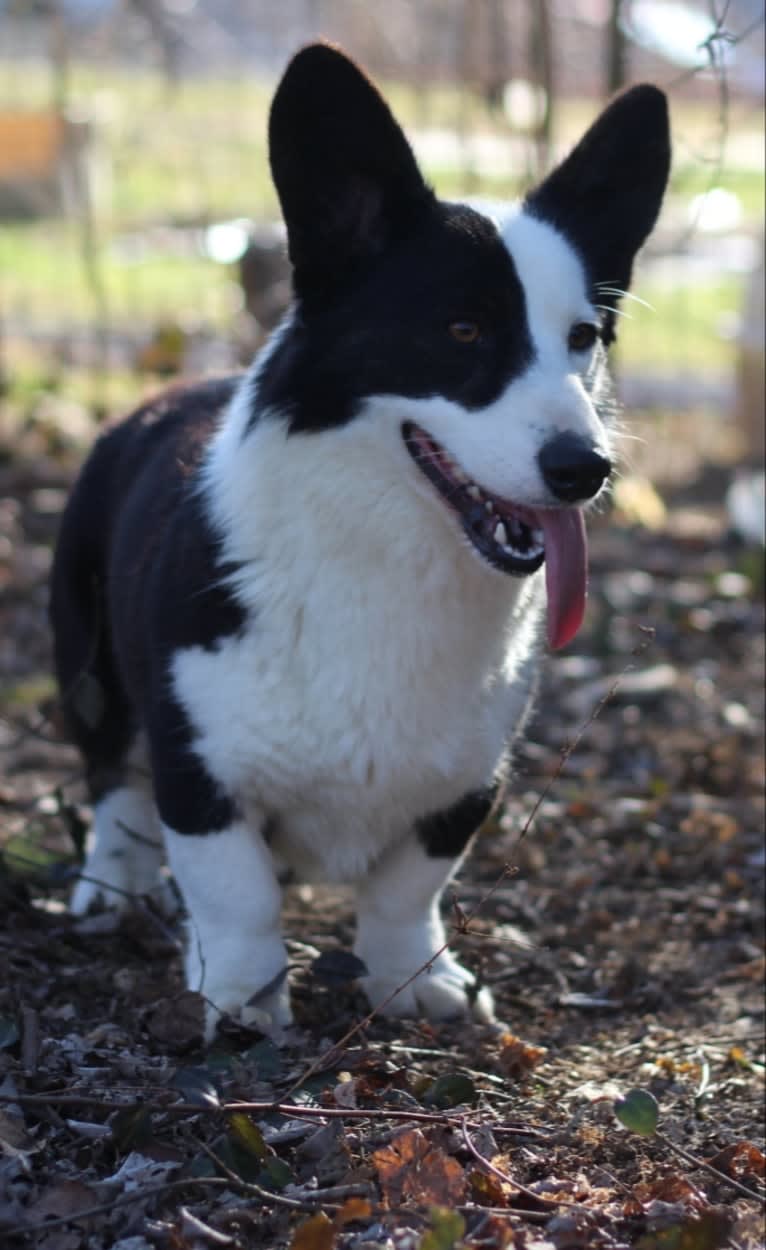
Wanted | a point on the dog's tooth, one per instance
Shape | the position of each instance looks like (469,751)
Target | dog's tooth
(488,505)
(500,535)
(474,491)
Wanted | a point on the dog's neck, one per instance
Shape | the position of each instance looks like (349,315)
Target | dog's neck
(335,514)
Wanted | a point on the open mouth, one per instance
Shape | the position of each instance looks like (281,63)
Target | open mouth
(512,538)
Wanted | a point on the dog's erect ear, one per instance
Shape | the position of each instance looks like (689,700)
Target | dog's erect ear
(346,177)
(606,195)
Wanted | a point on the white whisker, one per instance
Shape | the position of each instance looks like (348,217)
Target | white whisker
(603,289)
(618,312)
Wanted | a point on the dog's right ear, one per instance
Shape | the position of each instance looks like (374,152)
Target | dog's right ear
(345,174)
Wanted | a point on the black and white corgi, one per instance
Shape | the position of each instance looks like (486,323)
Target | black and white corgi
(298,614)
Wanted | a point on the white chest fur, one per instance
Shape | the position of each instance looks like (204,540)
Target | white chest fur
(374,683)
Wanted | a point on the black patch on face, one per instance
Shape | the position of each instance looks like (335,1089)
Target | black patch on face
(138,575)
(445,835)
(388,331)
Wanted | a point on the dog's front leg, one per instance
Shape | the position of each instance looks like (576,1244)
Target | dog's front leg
(235,954)
(399,930)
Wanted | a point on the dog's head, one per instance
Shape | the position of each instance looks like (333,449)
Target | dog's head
(476,338)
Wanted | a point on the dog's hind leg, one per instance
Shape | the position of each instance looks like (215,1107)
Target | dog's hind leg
(124,846)
(399,926)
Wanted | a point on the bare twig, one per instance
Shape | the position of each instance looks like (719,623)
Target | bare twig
(104,1208)
(708,1167)
(510,1180)
(293,1111)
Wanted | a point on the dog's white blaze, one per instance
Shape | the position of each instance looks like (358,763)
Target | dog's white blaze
(497,446)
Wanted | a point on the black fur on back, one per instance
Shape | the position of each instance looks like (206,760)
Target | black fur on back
(137,574)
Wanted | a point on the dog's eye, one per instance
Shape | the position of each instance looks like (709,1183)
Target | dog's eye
(464,331)
(582,336)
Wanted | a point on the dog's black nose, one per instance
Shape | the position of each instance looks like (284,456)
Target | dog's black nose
(572,468)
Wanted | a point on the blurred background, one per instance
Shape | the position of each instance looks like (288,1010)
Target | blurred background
(139,232)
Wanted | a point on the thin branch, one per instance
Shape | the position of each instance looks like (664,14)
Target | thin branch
(708,1167)
(295,1111)
(510,1180)
(103,1208)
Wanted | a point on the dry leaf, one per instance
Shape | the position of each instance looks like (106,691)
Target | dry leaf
(740,1160)
(488,1190)
(353,1209)
(673,1189)
(316,1233)
(178,1023)
(414,1168)
(517,1058)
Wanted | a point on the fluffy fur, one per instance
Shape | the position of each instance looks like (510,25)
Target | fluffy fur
(297,615)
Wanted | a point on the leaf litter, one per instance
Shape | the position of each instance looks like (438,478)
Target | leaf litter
(622,938)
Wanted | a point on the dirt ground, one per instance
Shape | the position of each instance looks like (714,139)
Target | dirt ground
(622,936)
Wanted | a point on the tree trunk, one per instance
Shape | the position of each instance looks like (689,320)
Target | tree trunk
(616,50)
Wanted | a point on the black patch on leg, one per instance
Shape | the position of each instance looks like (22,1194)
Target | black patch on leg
(189,799)
(446,834)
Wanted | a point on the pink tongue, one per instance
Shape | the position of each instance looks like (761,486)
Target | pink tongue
(566,572)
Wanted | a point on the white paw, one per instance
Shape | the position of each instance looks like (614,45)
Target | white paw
(117,880)
(266,1009)
(124,853)
(444,992)
(245,980)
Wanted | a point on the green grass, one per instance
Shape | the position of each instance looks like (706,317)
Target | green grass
(685,327)
(197,153)
(43,280)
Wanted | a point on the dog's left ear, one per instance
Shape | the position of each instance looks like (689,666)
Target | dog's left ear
(345,174)
(606,195)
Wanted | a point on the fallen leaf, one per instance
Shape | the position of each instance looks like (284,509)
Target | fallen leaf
(9,1032)
(672,1189)
(517,1058)
(196,1085)
(708,1231)
(132,1127)
(413,1168)
(65,1200)
(178,1022)
(740,1160)
(447,1228)
(316,1233)
(14,1138)
(639,1112)
(487,1190)
(353,1209)
(450,1090)
(248,1135)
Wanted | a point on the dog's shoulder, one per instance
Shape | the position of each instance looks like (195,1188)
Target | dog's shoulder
(163,562)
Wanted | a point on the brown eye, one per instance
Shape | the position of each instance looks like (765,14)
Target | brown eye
(582,337)
(464,331)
